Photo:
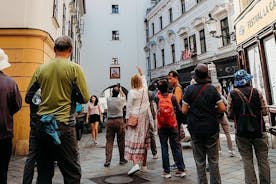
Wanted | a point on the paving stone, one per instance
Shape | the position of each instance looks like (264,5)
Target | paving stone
(92,158)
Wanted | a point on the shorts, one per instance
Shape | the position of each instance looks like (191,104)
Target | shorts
(94,118)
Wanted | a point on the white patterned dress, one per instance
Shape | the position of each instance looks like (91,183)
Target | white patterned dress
(137,139)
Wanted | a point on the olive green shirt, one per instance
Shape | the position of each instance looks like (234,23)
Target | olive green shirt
(57,79)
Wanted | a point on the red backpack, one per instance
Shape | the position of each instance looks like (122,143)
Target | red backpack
(165,115)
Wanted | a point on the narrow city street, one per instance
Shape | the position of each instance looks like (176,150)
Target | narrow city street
(92,159)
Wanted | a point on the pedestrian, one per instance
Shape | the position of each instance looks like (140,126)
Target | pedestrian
(202,102)
(10,103)
(62,84)
(94,116)
(152,124)
(30,162)
(224,123)
(115,125)
(253,137)
(137,140)
(168,129)
(173,78)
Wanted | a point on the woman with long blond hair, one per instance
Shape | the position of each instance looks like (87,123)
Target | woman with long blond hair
(93,116)
(137,139)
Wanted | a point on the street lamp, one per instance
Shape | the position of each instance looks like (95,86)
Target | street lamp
(212,29)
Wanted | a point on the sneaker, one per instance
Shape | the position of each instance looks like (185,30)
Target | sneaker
(166,175)
(180,174)
(144,169)
(96,142)
(107,164)
(231,153)
(124,161)
(155,156)
(173,167)
(133,170)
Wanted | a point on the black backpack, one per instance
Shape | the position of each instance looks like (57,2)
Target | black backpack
(248,124)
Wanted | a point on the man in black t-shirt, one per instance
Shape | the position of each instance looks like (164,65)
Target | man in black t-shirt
(201,103)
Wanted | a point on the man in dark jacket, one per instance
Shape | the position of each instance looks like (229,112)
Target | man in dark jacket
(10,103)
(201,103)
(246,141)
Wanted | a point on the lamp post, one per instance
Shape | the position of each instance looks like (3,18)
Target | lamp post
(212,29)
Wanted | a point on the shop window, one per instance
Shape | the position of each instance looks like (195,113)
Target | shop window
(256,68)
(270,55)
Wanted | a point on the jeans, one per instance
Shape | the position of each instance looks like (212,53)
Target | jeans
(152,140)
(6,150)
(115,126)
(202,146)
(31,159)
(260,146)
(66,154)
(171,134)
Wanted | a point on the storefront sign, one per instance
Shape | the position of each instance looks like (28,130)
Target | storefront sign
(261,15)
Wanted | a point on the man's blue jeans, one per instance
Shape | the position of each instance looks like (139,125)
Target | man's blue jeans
(171,134)
(206,146)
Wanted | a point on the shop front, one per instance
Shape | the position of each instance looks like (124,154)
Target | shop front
(256,45)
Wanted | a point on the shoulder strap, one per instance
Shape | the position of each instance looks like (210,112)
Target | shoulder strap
(199,92)
(242,96)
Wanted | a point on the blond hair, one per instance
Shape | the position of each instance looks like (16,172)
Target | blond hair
(136,82)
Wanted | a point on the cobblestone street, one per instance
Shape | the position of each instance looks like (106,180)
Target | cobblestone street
(93,171)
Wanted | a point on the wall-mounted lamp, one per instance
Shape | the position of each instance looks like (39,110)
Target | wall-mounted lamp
(212,29)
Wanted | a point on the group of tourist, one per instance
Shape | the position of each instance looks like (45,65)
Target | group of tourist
(61,84)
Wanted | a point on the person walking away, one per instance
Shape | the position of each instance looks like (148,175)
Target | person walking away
(29,167)
(10,103)
(137,140)
(224,123)
(115,125)
(62,84)
(168,129)
(246,105)
(202,102)
(94,116)
(153,147)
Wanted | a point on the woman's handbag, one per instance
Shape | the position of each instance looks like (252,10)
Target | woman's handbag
(133,119)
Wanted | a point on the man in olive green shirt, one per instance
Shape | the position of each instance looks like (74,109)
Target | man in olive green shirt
(62,84)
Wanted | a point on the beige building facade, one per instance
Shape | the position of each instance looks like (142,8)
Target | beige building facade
(27,36)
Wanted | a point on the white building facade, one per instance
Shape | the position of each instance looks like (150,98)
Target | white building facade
(114,41)
(178,38)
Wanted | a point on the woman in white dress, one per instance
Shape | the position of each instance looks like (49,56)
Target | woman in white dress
(137,140)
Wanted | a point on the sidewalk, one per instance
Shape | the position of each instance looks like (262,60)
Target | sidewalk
(93,157)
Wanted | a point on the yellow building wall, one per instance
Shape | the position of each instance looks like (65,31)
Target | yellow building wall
(26,49)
